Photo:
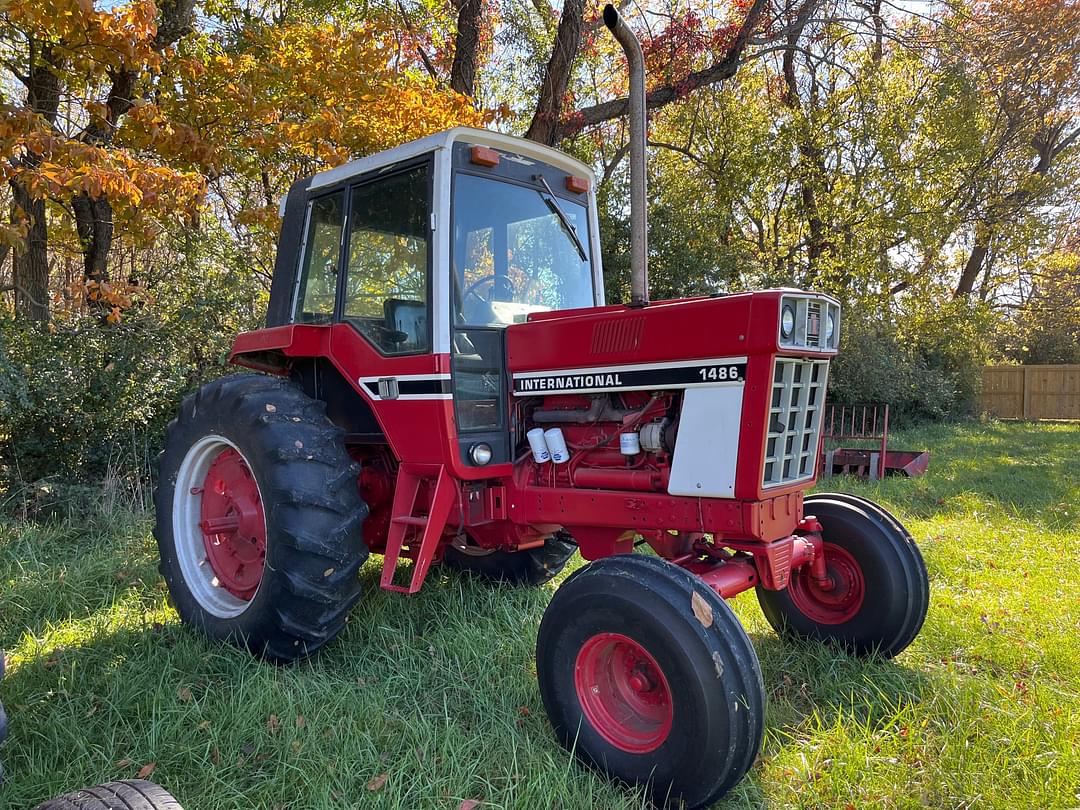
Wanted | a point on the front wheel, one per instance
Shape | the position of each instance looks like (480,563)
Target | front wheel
(878,594)
(647,675)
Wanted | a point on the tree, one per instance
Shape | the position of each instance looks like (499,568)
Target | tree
(129,116)
(81,70)
(1025,58)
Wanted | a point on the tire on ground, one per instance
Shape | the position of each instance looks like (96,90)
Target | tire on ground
(533,566)
(697,720)
(889,576)
(307,486)
(129,794)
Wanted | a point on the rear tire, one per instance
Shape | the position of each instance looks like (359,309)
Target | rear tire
(881,590)
(129,794)
(534,566)
(647,676)
(259,457)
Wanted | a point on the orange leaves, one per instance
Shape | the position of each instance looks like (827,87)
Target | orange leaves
(290,99)
(91,41)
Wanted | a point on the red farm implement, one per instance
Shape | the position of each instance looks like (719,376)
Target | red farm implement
(441,382)
(868,424)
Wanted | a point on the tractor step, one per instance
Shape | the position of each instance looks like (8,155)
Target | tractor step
(406,525)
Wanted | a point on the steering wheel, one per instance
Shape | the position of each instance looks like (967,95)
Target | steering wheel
(476,305)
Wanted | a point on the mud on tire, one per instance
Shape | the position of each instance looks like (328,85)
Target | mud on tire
(307,491)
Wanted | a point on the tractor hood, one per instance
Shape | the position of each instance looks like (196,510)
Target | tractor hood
(664,332)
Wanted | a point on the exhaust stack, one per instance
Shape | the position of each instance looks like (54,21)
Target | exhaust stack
(639,226)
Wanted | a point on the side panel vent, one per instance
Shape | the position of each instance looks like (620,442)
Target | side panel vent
(614,336)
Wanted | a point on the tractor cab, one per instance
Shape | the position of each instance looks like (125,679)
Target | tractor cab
(426,253)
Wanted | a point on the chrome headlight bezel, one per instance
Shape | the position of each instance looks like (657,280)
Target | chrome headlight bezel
(816,323)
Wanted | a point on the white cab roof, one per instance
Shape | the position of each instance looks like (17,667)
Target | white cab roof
(444,140)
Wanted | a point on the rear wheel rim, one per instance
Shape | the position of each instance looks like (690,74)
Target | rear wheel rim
(219,527)
(623,693)
(838,605)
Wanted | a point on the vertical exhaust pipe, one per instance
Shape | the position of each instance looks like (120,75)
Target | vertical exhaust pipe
(639,226)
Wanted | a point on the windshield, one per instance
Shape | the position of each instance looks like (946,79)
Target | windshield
(512,253)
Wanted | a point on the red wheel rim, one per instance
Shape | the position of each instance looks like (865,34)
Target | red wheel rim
(233,524)
(843,601)
(623,693)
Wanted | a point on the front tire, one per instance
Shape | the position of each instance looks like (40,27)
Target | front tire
(647,675)
(880,593)
(259,517)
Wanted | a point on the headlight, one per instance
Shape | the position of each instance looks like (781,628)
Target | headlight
(787,322)
(480,454)
(830,328)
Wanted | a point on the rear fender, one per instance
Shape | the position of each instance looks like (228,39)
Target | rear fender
(270,350)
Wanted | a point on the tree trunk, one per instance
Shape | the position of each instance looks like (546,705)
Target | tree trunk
(466,46)
(93,220)
(811,163)
(974,264)
(545,122)
(30,271)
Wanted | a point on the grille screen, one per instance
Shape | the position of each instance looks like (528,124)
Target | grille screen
(798,397)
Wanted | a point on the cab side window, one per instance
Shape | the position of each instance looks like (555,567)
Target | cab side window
(318,282)
(386,286)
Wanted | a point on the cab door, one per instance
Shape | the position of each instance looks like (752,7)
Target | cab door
(367,271)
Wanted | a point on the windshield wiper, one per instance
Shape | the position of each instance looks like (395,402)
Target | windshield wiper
(556,209)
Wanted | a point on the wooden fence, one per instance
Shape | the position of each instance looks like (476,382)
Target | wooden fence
(1032,392)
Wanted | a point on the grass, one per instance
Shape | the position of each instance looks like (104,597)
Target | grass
(438,692)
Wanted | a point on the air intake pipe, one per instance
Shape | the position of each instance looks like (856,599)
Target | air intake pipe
(639,226)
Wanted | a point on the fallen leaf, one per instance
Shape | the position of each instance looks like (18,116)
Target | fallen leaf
(523,711)
(468,804)
(273,723)
(146,770)
(215,755)
(379,782)
(301,721)
(124,763)
(204,725)
(185,694)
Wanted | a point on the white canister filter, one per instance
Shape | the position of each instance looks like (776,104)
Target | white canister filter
(556,444)
(540,452)
(629,444)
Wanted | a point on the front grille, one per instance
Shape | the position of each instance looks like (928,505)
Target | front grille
(798,397)
(813,324)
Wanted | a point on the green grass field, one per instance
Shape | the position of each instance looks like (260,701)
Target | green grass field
(432,700)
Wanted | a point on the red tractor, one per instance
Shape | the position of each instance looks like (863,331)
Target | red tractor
(440,380)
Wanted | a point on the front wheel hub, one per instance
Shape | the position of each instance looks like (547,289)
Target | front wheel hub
(836,599)
(623,693)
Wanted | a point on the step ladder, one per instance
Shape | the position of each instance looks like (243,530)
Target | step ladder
(420,533)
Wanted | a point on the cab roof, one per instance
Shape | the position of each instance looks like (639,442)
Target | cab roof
(444,140)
